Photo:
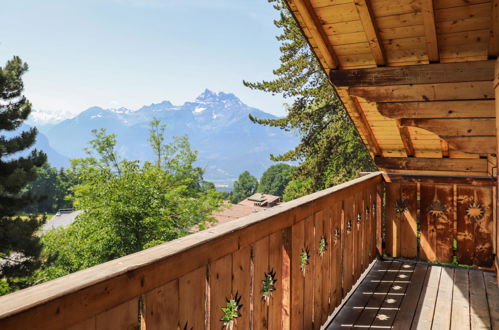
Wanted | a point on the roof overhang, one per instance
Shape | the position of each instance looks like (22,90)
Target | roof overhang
(416,77)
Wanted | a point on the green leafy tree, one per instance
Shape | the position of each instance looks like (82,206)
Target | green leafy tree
(297,188)
(19,248)
(128,206)
(244,187)
(53,185)
(330,151)
(275,179)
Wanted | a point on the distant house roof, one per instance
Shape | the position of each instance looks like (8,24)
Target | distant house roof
(255,203)
(261,200)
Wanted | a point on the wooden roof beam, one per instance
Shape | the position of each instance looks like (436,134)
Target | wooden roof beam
(438,109)
(313,24)
(365,128)
(406,139)
(476,90)
(455,126)
(370,29)
(445,148)
(494,30)
(430,30)
(415,74)
(433,164)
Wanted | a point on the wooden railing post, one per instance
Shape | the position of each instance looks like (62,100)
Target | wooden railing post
(496,88)
(379,218)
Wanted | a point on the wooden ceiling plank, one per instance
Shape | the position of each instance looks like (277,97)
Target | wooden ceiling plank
(494,31)
(454,126)
(432,164)
(313,24)
(481,90)
(370,29)
(430,30)
(417,74)
(442,109)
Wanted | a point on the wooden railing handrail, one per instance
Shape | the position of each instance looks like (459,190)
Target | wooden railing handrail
(135,270)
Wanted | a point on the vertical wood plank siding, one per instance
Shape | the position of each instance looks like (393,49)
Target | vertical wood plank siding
(290,270)
(456,220)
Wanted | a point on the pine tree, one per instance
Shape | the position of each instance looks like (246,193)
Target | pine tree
(19,248)
(330,151)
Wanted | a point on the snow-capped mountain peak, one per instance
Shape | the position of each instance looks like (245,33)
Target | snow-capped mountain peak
(42,117)
(206,96)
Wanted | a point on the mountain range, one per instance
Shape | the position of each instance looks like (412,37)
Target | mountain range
(217,125)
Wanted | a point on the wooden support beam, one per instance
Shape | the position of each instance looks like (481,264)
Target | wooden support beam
(473,144)
(370,29)
(314,26)
(406,139)
(445,148)
(415,74)
(494,30)
(481,90)
(373,143)
(443,109)
(432,164)
(440,179)
(430,30)
(454,126)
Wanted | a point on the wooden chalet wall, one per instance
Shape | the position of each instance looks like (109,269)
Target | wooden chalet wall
(441,219)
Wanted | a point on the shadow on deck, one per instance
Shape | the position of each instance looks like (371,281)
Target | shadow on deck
(409,295)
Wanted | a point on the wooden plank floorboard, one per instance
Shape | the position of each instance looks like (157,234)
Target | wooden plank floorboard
(355,304)
(404,317)
(368,315)
(493,298)
(426,305)
(443,305)
(479,311)
(387,312)
(411,295)
(460,319)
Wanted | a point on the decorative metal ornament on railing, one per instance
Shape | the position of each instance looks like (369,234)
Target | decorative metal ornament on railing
(349,225)
(268,285)
(231,311)
(322,246)
(367,211)
(374,208)
(359,218)
(475,210)
(401,206)
(304,260)
(436,209)
(337,234)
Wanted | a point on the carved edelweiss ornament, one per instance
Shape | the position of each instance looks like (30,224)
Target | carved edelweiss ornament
(475,211)
(436,209)
(400,206)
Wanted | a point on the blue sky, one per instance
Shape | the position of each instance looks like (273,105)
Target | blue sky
(114,53)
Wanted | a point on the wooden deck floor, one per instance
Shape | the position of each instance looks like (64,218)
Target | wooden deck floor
(406,295)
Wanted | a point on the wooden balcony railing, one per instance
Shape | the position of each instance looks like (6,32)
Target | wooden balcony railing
(288,268)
